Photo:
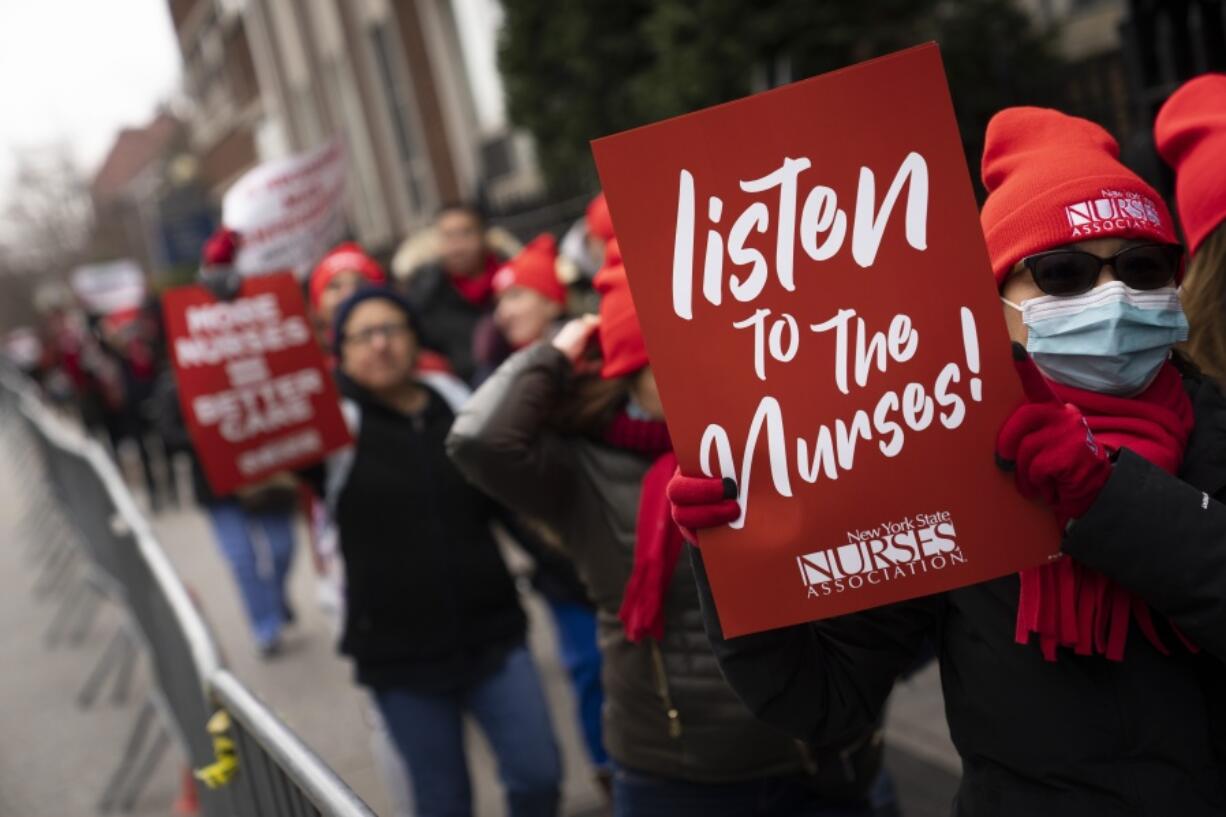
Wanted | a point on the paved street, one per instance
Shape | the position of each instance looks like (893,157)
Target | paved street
(55,758)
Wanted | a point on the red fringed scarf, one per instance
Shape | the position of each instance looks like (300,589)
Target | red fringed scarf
(657,543)
(477,289)
(1068,604)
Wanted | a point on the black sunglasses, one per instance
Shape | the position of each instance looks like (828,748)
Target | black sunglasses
(1072,272)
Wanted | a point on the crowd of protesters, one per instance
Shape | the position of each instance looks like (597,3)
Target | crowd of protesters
(1093,685)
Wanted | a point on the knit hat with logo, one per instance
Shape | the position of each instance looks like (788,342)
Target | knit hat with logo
(1055,179)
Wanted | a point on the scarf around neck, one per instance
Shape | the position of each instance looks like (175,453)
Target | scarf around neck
(1066,603)
(657,544)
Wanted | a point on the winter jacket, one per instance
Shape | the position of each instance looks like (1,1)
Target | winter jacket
(668,712)
(1144,737)
(430,603)
(448,321)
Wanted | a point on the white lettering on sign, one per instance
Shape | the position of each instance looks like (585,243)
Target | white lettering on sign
(226,316)
(262,408)
(245,328)
(831,448)
(280,453)
(210,350)
(893,550)
(820,218)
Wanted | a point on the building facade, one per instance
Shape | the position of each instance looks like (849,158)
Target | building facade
(1125,57)
(396,80)
(148,203)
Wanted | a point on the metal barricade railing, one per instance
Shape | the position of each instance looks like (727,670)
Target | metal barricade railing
(280,775)
(100,524)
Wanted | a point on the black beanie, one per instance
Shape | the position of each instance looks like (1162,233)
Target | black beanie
(366,294)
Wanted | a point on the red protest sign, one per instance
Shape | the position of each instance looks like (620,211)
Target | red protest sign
(822,321)
(254,388)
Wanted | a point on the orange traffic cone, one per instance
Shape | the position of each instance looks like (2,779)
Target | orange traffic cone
(188,802)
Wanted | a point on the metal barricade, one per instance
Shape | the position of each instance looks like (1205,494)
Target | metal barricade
(86,514)
(278,773)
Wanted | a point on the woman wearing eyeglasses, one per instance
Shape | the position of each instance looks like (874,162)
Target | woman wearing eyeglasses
(433,621)
(1094,684)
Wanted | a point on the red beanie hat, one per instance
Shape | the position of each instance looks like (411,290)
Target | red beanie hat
(621,338)
(220,248)
(534,268)
(599,222)
(612,265)
(613,253)
(346,257)
(1190,133)
(1054,179)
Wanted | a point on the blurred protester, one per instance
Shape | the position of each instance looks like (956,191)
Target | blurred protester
(1190,133)
(345,269)
(531,302)
(128,337)
(421,249)
(572,435)
(340,273)
(1091,684)
(62,335)
(453,293)
(253,526)
(585,242)
(585,251)
(433,621)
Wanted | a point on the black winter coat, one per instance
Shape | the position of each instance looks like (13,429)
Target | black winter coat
(1144,737)
(430,603)
(448,321)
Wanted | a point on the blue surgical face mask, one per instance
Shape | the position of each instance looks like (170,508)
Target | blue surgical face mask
(1111,340)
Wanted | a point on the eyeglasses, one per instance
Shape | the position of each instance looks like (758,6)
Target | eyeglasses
(1072,272)
(387,331)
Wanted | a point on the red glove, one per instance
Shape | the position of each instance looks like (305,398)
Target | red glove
(702,502)
(1049,446)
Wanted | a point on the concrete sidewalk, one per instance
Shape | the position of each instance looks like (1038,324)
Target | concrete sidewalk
(55,758)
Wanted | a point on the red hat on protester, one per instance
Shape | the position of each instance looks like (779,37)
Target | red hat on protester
(621,338)
(1190,133)
(220,248)
(346,257)
(612,264)
(1055,179)
(599,222)
(534,268)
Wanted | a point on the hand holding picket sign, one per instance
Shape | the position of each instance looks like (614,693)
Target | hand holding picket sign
(702,502)
(1050,448)
(852,348)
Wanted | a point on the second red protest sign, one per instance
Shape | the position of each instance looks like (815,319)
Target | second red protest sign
(253,384)
(821,317)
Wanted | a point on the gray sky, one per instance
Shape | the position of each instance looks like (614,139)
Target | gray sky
(78,70)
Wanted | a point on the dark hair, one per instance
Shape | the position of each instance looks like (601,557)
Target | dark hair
(461,207)
(1204,297)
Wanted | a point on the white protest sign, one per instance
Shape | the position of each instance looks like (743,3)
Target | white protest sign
(110,286)
(289,212)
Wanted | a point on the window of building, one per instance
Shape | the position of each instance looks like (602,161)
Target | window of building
(402,109)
